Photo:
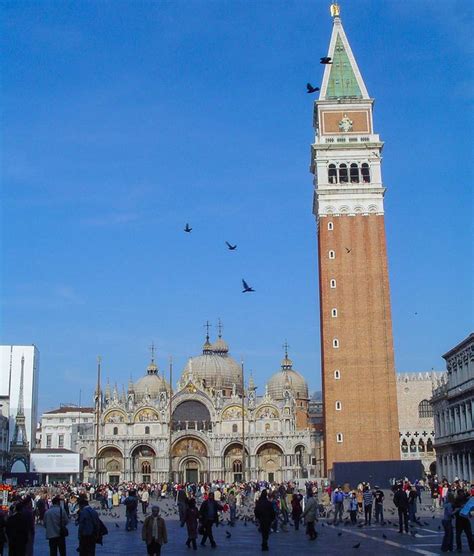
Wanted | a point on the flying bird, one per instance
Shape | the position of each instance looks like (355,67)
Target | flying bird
(326,60)
(310,89)
(348,250)
(247,288)
(187,228)
(231,247)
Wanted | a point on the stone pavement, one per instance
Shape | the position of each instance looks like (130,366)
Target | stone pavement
(245,540)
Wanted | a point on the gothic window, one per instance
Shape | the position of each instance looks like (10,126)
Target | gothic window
(333,283)
(330,226)
(115,431)
(146,468)
(337,374)
(332,173)
(234,428)
(365,171)
(237,466)
(412,445)
(332,254)
(429,446)
(421,445)
(404,446)
(354,173)
(425,409)
(343,175)
(147,430)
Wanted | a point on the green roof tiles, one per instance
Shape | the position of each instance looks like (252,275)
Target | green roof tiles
(342,80)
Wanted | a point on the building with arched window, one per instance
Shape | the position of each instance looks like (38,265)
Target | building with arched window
(144,436)
(415,417)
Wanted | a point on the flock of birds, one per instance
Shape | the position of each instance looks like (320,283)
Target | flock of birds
(230,247)
(325,60)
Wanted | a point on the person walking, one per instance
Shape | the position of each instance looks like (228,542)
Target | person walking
(368,499)
(181,500)
(88,528)
(16,528)
(400,499)
(55,519)
(144,499)
(3,536)
(412,498)
(191,518)
(310,515)
(265,514)
(209,515)
(378,505)
(463,507)
(353,507)
(447,522)
(232,503)
(296,510)
(154,532)
(131,505)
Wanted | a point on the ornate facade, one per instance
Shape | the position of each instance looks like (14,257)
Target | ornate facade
(197,434)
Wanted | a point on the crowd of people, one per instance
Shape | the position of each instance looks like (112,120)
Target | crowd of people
(201,507)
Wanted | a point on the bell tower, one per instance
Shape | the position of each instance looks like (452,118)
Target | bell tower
(358,372)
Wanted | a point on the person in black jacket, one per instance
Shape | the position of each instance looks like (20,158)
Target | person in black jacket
(265,514)
(209,514)
(400,500)
(16,529)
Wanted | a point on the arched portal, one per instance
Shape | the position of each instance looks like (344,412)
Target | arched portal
(232,470)
(190,460)
(110,465)
(143,463)
(269,462)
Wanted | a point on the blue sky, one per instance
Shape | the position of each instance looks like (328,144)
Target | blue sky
(123,121)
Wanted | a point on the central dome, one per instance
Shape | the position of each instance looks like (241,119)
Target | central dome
(152,384)
(214,367)
(287,378)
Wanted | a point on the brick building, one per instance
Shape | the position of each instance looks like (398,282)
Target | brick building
(358,374)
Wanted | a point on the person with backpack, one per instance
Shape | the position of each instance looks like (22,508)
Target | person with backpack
(55,521)
(131,508)
(88,530)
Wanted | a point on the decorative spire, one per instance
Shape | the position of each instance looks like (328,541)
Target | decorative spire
(19,434)
(107,390)
(131,386)
(335,9)
(207,346)
(21,404)
(220,326)
(287,363)
(152,351)
(251,382)
(152,368)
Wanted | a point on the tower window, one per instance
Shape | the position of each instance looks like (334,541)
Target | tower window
(365,171)
(337,374)
(332,283)
(332,173)
(338,406)
(354,173)
(333,312)
(335,343)
(343,175)
(332,254)
(339,438)
(330,226)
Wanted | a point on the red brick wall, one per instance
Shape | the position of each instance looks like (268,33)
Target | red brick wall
(367,388)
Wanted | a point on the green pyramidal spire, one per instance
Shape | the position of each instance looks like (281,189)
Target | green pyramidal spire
(342,80)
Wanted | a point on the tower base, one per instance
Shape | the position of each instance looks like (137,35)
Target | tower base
(378,473)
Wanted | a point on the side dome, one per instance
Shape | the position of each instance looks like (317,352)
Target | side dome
(287,378)
(152,384)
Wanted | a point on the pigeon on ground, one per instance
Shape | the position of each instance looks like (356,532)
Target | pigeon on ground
(384,536)
(339,534)
(117,525)
(228,535)
(247,288)
(187,228)
(310,89)
(356,545)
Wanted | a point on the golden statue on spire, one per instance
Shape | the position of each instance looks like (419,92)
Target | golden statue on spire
(335,10)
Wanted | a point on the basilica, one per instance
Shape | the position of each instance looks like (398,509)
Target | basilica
(213,426)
